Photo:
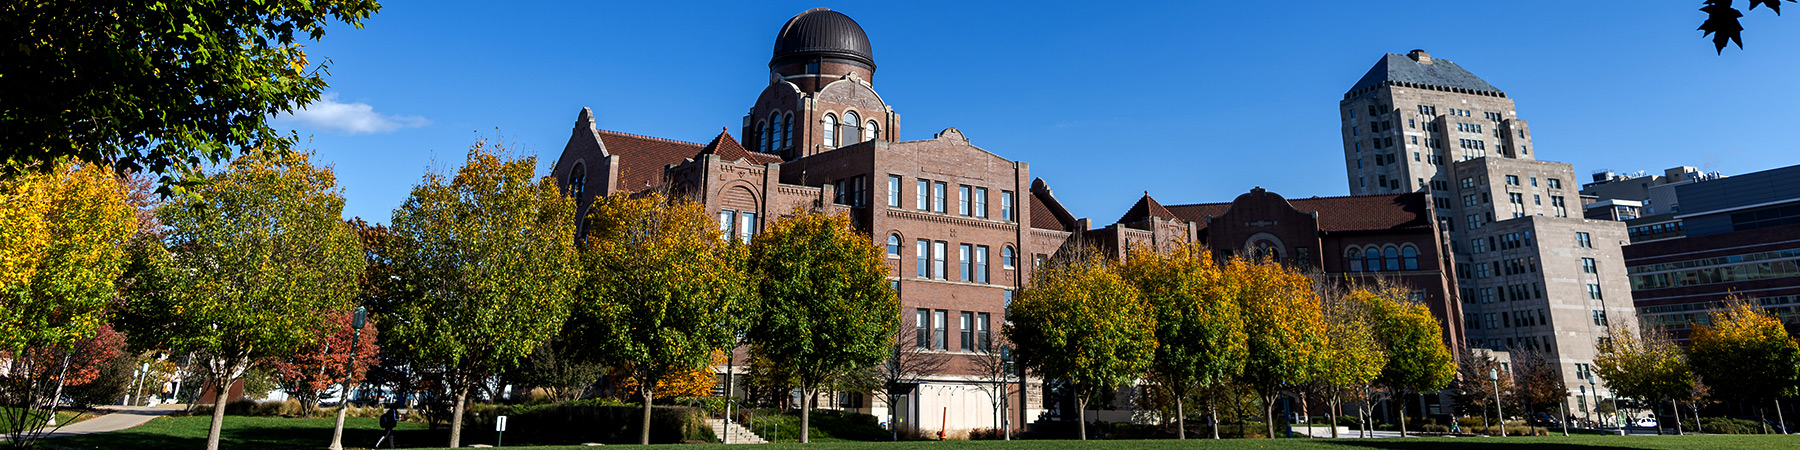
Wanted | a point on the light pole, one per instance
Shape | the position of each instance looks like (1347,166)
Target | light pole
(357,320)
(1499,411)
(1006,367)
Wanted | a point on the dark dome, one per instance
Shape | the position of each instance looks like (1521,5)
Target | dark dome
(823,32)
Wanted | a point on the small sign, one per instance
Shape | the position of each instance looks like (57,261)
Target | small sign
(500,423)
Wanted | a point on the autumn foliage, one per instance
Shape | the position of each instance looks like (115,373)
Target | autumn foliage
(317,366)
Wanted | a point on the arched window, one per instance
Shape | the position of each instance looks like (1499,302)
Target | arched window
(773,142)
(577,180)
(1008,258)
(830,130)
(893,245)
(787,130)
(869,131)
(1392,256)
(1353,258)
(761,141)
(851,123)
(1410,256)
(1372,259)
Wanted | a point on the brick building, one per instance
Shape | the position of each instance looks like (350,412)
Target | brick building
(1530,274)
(962,226)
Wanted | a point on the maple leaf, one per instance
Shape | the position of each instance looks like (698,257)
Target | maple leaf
(1774,5)
(1722,24)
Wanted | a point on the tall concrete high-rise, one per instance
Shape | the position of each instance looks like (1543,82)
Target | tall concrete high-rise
(1531,273)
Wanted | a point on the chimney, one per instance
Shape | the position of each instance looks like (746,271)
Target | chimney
(1420,56)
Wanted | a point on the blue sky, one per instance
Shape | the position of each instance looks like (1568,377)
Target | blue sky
(1191,101)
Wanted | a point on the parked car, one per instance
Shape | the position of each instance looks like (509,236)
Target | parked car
(1544,420)
(1644,422)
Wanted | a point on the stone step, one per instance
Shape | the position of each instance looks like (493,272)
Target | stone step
(734,433)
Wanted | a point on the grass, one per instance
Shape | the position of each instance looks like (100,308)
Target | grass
(63,416)
(285,433)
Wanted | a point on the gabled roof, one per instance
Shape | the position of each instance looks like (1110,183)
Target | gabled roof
(1438,72)
(728,148)
(643,158)
(1046,212)
(1338,214)
(1145,209)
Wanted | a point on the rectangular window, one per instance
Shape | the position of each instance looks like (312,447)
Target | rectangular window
(1474,221)
(922,334)
(1599,318)
(1588,266)
(924,196)
(1554,183)
(938,253)
(968,331)
(1492,322)
(1594,291)
(937,196)
(924,252)
(981,264)
(966,262)
(727,222)
(1583,240)
(894,191)
(1512,180)
(940,335)
(983,334)
(1556,201)
(981,203)
(746,226)
(1478,246)
(963,192)
(1006,206)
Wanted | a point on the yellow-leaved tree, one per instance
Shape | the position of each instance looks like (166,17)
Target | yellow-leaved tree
(1081,322)
(1353,356)
(1746,354)
(62,236)
(1288,341)
(1199,325)
(1417,359)
(661,285)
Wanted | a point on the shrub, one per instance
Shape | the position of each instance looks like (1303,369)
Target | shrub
(828,425)
(1723,425)
(585,421)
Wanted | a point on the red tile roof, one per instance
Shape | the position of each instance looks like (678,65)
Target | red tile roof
(729,149)
(642,158)
(1352,213)
(1144,209)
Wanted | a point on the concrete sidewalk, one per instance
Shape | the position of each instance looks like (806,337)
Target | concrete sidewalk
(121,417)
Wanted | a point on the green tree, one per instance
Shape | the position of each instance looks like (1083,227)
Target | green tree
(1747,346)
(1417,361)
(62,237)
(1287,339)
(1199,328)
(256,258)
(1353,355)
(1081,322)
(659,288)
(825,306)
(1650,368)
(158,86)
(492,256)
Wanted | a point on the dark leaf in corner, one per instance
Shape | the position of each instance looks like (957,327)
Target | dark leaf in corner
(1722,23)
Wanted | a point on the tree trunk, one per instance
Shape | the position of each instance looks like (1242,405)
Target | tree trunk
(1401,396)
(1269,412)
(1334,405)
(456,416)
(1081,414)
(1305,413)
(806,402)
(226,372)
(648,389)
(1180,420)
(1212,412)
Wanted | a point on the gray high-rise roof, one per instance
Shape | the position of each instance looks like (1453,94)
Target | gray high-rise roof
(1432,71)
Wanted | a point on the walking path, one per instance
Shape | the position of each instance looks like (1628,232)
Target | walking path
(121,418)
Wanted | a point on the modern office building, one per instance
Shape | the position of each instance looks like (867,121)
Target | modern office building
(1531,273)
(1736,236)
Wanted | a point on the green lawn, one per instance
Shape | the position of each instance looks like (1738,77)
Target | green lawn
(273,433)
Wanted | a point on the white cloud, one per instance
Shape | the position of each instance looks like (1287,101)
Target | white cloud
(350,118)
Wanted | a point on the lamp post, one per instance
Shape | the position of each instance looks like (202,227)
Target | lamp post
(1499,411)
(1006,368)
(357,320)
